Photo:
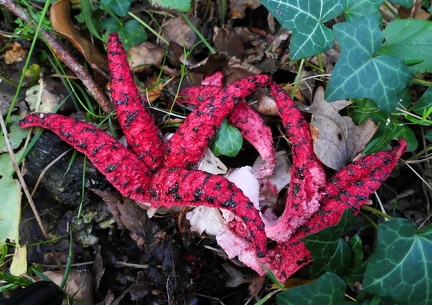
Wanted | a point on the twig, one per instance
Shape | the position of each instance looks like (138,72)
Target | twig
(42,174)
(64,56)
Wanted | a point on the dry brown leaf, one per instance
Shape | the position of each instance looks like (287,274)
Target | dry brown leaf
(16,54)
(238,7)
(62,23)
(267,105)
(132,216)
(228,41)
(256,285)
(337,141)
(179,31)
(142,57)
(156,89)
(79,285)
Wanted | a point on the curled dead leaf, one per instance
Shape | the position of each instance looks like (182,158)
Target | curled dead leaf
(337,140)
(62,23)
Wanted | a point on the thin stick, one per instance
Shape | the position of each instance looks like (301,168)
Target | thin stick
(42,174)
(64,56)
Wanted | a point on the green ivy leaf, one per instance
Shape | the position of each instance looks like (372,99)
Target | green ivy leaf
(310,36)
(411,41)
(360,72)
(428,135)
(119,7)
(424,103)
(401,265)
(357,264)
(179,5)
(355,9)
(132,34)
(330,252)
(228,141)
(328,289)
(408,134)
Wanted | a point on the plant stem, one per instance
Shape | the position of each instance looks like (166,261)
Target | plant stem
(148,28)
(198,34)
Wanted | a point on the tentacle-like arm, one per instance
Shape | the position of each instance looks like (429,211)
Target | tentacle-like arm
(187,147)
(193,187)
(307,175)
(109,156)
(138,125)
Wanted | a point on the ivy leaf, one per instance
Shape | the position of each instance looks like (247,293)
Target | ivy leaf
(310,36)
(411,41)
(428,135)
(132,34)
(424,103)
(360,72)
(328,289)
(228,141)
(119,7)
(329,251)
(401,265)
(355,9)
(180,5)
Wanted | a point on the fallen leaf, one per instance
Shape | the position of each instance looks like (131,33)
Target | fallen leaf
(16,54)
(44,102)
(62,23)
(10,200)
(179,31)
(236,278)
(337,141)
(19,261)
(228,41)
(79,285)
(256,285)
(142,57)
(155,89)
(238,7)
(132,216)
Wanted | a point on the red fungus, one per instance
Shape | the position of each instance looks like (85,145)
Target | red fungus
(191,139)
(146,176)
(246,119)
(109,156)
(139,127)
